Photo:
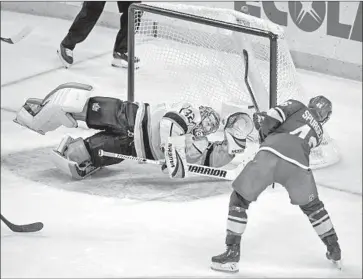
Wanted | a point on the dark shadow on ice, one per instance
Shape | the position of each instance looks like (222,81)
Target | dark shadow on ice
(126,180)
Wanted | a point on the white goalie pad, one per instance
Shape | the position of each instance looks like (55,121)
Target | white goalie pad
(64,165)
(73,100)
(55,109)
(71,168)
(68,166)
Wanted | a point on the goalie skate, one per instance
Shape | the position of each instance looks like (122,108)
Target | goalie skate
(71,168)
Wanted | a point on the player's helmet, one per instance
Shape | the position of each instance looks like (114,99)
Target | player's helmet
(209,123)
(321,107)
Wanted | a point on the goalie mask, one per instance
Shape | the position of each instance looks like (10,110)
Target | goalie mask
(321,107)
(209,123)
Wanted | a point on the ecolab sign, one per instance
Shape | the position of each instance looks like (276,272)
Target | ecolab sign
(309,16)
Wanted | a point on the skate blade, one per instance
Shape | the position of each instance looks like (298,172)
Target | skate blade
(337,264)
(227,267)
(91,172)
(119,63)
(64,62)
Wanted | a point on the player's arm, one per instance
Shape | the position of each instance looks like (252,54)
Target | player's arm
(171,125)
(267,122)
(215,154)
(174,128)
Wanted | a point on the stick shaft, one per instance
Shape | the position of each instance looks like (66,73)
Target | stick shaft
(192,168)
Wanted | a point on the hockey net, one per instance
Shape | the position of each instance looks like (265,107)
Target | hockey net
(183,61)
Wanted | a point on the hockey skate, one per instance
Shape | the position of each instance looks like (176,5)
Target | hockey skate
(121,60)
(228,261)
(333,253)
(76,170)
(65,55)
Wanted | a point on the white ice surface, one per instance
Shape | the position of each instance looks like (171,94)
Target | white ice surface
(93,236)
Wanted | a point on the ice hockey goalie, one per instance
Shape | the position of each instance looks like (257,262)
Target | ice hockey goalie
(133,128)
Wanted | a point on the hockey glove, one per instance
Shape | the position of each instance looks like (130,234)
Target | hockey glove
(175,157)
(237,127)
(258,118)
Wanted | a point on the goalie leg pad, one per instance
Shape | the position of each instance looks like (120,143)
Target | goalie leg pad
(72,158)
(111,143)
(43,119)
(55,109)
(70,168)
(77,151)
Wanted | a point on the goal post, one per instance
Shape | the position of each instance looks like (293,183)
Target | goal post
(132,18)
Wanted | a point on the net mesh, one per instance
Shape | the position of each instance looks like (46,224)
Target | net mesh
(184,61)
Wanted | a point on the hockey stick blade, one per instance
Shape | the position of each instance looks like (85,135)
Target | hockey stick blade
(18,37)
(245,57)
(33,227)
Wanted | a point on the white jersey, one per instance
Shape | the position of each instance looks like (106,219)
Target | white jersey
(153,126)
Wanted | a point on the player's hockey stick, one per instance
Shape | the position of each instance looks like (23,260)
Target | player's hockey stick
(192,168)
(17,37)
(245,57)
(33,227)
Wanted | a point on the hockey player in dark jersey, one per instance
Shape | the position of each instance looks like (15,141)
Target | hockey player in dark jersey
(135,129)
(287,133)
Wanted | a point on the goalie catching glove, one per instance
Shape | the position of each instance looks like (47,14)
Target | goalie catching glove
(59,107)
(237,127)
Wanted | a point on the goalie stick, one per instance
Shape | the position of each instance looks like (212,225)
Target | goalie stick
(192,168)
(33,227)
(17,37)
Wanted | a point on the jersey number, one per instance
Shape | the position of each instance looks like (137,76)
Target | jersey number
(302,133)
(189,115)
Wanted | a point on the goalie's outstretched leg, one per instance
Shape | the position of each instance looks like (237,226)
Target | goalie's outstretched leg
(79,158)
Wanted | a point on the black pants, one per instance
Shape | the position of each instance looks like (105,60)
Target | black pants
(86,20)
(116,120)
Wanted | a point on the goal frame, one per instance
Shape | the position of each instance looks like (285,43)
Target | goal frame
(200,20)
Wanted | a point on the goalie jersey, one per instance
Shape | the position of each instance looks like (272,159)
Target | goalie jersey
(288,125)
(153,126)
